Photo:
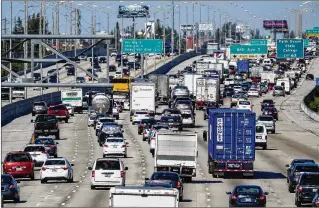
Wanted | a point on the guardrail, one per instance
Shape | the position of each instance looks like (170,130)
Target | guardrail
(306,100)
(24,107)
(96,52)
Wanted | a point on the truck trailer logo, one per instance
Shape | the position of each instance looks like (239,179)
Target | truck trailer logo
(219,130)
(71,94)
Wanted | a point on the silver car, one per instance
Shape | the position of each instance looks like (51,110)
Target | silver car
(91,119)
(267,121)
(278,91)
(70,109)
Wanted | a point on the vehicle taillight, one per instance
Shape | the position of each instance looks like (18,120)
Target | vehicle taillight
(65,168)
(44,152)
(123,145)
(300,189)
(52,146)
(56,126)
(147,115)
(178,184)
(185,169)
(317,203)
(145,131)
(233,197)
(35,126)
(11,187)
(43,169)
(122,174)
(106,145)
(262,197)
(93,173)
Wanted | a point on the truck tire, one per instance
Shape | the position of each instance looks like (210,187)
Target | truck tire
(66,120)
(57,136)
(273,131)
(33,114)
(180,128)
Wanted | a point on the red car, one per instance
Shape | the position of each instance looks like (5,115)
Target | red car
(59,111)
(19,164)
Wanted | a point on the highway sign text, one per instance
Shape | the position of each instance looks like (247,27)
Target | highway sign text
(290,48)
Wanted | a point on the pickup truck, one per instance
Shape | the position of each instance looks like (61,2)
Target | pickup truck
(59,111)
(45,125)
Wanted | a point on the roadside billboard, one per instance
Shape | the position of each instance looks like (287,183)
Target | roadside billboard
(278,25)
(133,11)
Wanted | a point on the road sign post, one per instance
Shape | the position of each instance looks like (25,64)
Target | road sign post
(248,51)
(290,48)
(142,46)
(258,42)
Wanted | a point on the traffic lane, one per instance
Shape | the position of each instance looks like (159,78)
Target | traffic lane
(194,193)
(269,174)
(84,196)
(33,193)
(182,65)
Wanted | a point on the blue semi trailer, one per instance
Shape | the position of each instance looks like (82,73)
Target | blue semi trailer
(231,142)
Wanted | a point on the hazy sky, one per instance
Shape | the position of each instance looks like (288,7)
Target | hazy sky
(245,10)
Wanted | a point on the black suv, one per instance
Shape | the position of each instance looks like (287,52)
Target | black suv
(307,187)
(266,102)
(172,121)
(297,170)
(39,108)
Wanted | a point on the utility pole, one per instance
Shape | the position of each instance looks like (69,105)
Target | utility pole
(44,22)
(193,28)
(186,27)
(164,35)
(40,46)
(10,54)
(220,29)
(70,42)
(173,21)
(115,36)
(108,23)
(5,25)
(180,31)
(25,32)
(57,25)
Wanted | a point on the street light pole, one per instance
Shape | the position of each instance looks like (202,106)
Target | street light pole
(193,28)
(10,54)
(180,31)
(172,33)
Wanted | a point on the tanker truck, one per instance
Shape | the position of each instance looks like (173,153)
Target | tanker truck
(102,104)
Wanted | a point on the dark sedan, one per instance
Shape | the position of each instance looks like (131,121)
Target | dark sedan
(159,183)
(172,121)
(102,59)
(49,144)
(307,187)
(112,68)
(266,102)
(295,161)
(170,177)
(271,111)
(228,92)
(9,188)
(247,196)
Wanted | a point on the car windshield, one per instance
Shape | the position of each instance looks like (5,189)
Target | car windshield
(259,129)
(141,113)
(303,161)
(18,158)
(278,88)
(55,162)
(34,149)
(171,118)
(111,128)
(268,102)
(44,141)
(265,118)
(39,104)
(58,107)
(303,168)
(310,180)
(106,120)
(45,118)
(186,116)
(107,165)
(248,190)
(164,176)
(6,179)
(92,117)
(270,109)
(156,184)
(117,140)
(244,103)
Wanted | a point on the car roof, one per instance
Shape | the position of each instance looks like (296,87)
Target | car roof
(35,145)
(115,138)
(17,152)
(57,158)
(106,159)
(165,172)
(248,185)
(264,116)
(306,164)
(295,160)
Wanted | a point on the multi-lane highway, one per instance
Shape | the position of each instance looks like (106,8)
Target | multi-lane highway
(79,146)
(149,65)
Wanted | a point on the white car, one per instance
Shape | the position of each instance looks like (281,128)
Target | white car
(108,172)
(229,81)
(115,146)
(253,92)
(158,56)
(56,169)
(113,54)
(116,112)
(70,109)
(91,119)
(261,136)
(38,153)
(152,142)
(118,74)
(244,104)
(138,116)
(100,121)
(237,89)
(188,120)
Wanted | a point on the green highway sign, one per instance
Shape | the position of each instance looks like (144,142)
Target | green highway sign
(248,49)
(290,48)
(305,43)
(312,33)
(315,28)
(142,46)
(258,42)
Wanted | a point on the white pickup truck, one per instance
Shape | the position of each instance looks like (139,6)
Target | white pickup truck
(176,152)
(137,196)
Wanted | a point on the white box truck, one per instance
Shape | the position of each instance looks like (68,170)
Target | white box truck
(201,66)
(142,97)
(138,196)
(74,97)
(200,93)
(218,67)
(176,152)
(190,82)
(285,83)
(212,92)
(161,82)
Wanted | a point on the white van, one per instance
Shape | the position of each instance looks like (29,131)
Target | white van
(261,136)
(285,83)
